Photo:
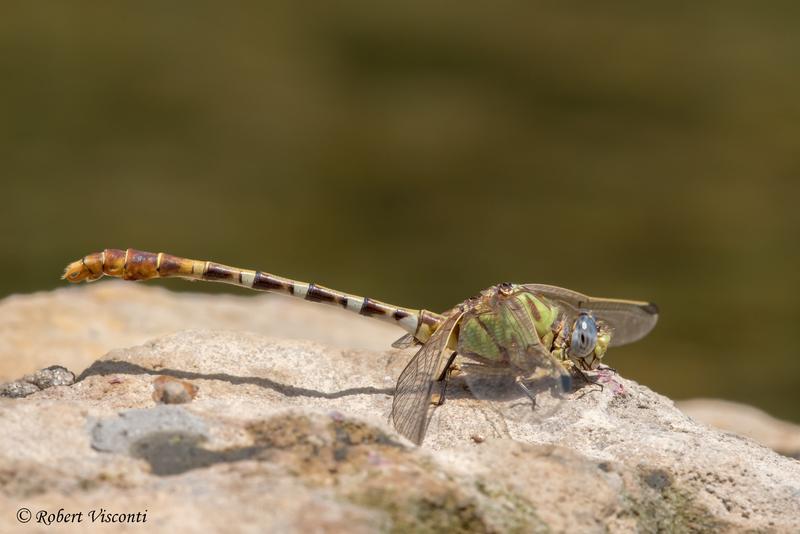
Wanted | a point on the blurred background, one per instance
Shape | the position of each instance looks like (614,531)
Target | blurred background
(419,152)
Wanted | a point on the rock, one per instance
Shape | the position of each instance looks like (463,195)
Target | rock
(17,389)
(168,390)
(291,436)
(75,325)
(55,375)
(120,433)
(748,421)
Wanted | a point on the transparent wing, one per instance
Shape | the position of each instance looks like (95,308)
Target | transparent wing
(412,395)
(525,398)
(630,320)
(406,342)
(532,389)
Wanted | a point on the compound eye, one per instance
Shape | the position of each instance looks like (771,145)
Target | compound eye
(584,336)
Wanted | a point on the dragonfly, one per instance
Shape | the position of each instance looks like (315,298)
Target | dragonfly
(531,338)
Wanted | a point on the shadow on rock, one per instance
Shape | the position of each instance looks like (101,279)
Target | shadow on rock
(311,446)
(173,453)
(111,367)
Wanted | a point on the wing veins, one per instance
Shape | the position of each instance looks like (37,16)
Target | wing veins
(410,412)
(630,320)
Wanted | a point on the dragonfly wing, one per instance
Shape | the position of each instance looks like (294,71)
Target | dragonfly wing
(526,398)
(412,394)
(535,383)
(405,342)
(630,320)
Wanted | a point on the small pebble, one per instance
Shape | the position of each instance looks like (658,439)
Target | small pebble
(55,375)
(168,390)
(478,438)
(18,389)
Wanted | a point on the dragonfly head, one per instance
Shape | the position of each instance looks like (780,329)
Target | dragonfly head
(588,341)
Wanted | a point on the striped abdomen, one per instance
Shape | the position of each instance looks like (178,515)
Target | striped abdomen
(138,265)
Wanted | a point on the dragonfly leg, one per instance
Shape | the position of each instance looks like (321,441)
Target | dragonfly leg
(447,368)
(604,367)
(524,388)
(437,399)
(588,380)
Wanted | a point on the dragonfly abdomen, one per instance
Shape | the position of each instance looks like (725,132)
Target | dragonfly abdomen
(134,264)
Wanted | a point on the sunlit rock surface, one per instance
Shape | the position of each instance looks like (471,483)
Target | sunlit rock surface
(76,325)
(748,421)
(290,435)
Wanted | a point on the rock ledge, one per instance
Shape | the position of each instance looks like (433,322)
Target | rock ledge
(291,435)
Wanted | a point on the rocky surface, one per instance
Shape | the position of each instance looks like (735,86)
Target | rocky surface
(748,421)
(76,325)
(55,375)
(287,435)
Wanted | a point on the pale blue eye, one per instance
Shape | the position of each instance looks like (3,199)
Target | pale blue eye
(584,336)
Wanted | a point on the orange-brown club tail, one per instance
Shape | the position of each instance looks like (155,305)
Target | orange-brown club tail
(139,265)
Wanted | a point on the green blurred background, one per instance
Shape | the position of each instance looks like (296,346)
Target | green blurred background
(418,152)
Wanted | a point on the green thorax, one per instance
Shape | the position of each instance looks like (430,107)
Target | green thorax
(503,323)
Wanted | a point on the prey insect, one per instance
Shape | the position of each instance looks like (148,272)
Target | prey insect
(520,338)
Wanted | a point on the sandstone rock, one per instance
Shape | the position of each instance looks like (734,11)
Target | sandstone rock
(744,420)
(74,326)
(293,436)
(55,375)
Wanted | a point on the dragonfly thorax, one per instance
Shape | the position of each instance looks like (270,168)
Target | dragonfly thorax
(504,324)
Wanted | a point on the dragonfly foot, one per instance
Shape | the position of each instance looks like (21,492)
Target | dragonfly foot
(588,380)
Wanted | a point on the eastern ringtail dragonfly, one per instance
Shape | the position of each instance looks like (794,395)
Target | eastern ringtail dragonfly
(530,337)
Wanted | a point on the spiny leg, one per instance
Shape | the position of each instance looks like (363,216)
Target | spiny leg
(437,399)
(605,375)
(588,380)
(519,381)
